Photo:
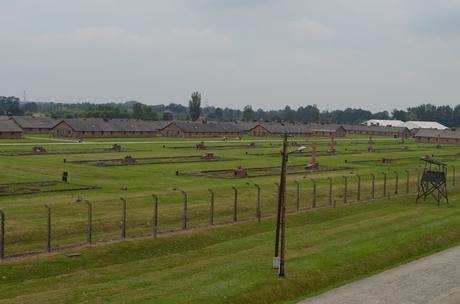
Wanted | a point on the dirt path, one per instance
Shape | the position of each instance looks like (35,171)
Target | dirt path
(434,280)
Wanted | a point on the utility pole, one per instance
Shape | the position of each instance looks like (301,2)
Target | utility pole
(282,204)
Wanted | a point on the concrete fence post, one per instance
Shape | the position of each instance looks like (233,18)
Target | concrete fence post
(48,228)
(384,184)
(235,204)
(314,192)
(89,228)
(2,234)
(330,192)
(211,207)
(407,180)
(372,185)
(297,197)
(453,176)
(396,182)
(123,217)
(345,189)
(155,216)
(358,195)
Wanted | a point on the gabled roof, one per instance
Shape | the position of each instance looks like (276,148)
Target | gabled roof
(325,127)
(29,122)
(423,125)
(210,127)
(435,133)
(7,125)
(112,125)
(374,128)
(246,125)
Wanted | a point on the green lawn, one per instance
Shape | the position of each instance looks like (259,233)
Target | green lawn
(326,246)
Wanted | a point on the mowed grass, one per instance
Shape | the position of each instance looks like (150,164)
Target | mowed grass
(232,264)
(229,264)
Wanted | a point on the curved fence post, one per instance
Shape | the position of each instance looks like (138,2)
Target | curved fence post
(453,176)
(48,228)
(123,217)
(396,182)
(258,211)
(372,186)
(89,228)
(358,195)
(211,207)
(2,234)
(314,192)
(235,204)
(384,184)
(407,180)
(330,192)
(155,216)
(345,189)
(297,197)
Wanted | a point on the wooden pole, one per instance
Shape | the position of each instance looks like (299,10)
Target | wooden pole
(2,234)
(384,184)
(373,185)
(184,225)
(123,218)
(48,229)
(211,207)
(358,195)
(297,198)
(330,192)
(89,228)
(235,204)
(258,209)
(396,182)
(282,196)
(155,216)
(314,192)
(345,189)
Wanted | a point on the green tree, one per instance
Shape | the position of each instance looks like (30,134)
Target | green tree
(219,113)
(194,106)
(248,113)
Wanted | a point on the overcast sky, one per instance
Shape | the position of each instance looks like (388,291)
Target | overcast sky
(374,54)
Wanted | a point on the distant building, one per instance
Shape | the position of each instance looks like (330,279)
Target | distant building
(167,115)
(98,127)
(32,124)
(9,129)
(199,129)
(377,130)
(437,136)
(383,123)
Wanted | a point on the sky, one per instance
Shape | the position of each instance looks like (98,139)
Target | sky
(372,54)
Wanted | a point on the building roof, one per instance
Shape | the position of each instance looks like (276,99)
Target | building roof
(7,125)
(433,133)
(375,128)
(210,127)
(29,122)
(325,127)
(423,125)
(113,125)
(383,122)
(246,125)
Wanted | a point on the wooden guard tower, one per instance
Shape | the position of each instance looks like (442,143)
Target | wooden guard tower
(433,180)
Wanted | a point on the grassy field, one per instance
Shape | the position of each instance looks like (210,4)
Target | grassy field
(229,263)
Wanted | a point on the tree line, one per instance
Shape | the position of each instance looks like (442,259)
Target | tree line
(307,114)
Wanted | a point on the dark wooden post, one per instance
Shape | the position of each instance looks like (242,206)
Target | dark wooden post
(2,234)
(407,180)
(330,192)
(48,229)
(184,225)
(358,195)
(211,207)
(235,204)
(384,184)
(89,228)
(453,176)
(396,182)
(155,216)
(314,192)
(373,185)
(277,194)
(123,217)
(258,211)
(345,189)
(297,197)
